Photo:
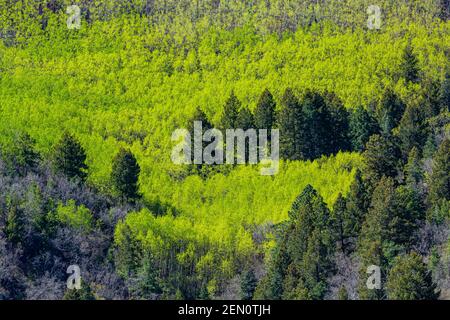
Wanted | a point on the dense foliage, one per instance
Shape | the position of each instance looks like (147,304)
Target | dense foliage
(86,122)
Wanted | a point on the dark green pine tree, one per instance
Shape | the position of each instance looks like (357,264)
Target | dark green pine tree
(362,126)
(265,111)
(381,158)
(245,119)
(389,111)
(290,120)
(439,181)
(24,157)
(409,66)
(248,284)
(409,279)
(339,117)
(357,204)
(317,129)
(15,223)
(230,112)
(309,247)
(375,244)
(413,169)
(412,130)
(200,116)
(431,94)
(70,157)
(339,223)
(125,175)
(444,94)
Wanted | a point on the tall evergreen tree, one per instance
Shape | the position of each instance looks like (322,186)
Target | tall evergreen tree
(389,111)
(409,279)
(125,175)
(357,204)
(440,178)
(375,245)
(339,118)
(290,121)
(230,112)
(248,284)
(317,129)
(339,223)
(413,169)
(381,157)
(444,94)
(409,66)
(265,111)
(245,119)
(70,157)
(23,157)
(412,130)
(362,125)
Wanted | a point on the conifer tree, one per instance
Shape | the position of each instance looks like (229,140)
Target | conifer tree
(409,66)
(389,111)
(413,169)
(290,121)
(70,157)
(248,284)
(230,112)
(339,223)
(381,158)
(412,130)
(125,175)
(24,156)
(357,204)
(317,129)
(245,119)
(444,94)
(440,178)
(409,279)
(362,125)
(265,111)
(339,123)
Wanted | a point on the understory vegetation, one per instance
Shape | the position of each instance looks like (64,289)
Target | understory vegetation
(86,177)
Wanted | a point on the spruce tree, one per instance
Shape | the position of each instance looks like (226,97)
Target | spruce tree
(125,175)
(23,157)
(444,94)
(230,112)
(245,119)
(375,244)
(290,121)
(412,130)
(440,178)
(248,284)
(265,111)
(362,125)
(317,129)
(389,111)
(339,123)
(339,223)
(357,204)
(381,158)
(413,169)
(70,157)
(409,66)
(409,279)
